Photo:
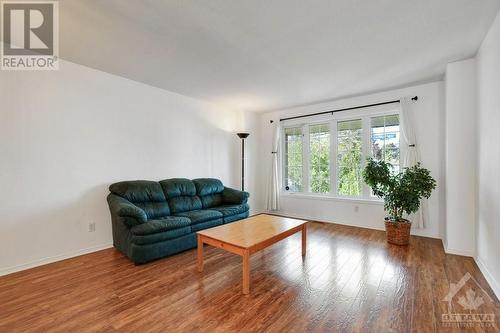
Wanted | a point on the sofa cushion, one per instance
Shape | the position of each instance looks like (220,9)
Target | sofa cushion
(138,191)
(211,200)
(184,204)
(154,210)
(206,186)
(147,195)
(162,229)
(228,210)
(202,215)
(160,236)
(232,218)
(232,196)
(160,225)
(206,225)
(181,195)
(126,210)
(141,254)
(210,191)
(177,187)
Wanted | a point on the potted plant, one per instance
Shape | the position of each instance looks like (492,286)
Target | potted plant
(401,192)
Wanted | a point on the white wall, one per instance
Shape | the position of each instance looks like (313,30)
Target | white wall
(66,135)
(460,156)
(429,119)
(488,212)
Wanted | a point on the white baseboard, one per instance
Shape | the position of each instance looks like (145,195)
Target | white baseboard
(458,252)
(494,284)
(423,233)
(445,244)
(48,260)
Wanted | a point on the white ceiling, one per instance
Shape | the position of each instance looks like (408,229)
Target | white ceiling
(263,55)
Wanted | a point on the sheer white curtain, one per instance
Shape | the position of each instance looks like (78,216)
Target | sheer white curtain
(411,154)
(273,198)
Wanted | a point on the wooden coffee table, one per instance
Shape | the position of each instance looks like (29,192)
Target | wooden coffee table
(248,236)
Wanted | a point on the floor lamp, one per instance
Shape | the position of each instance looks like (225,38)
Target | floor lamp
(242,136)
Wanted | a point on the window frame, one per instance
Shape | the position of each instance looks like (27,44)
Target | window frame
(332,120)
(282,157)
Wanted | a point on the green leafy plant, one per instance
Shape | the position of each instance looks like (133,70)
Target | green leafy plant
(401,192)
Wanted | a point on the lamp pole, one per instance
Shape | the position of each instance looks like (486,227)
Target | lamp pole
(242,136)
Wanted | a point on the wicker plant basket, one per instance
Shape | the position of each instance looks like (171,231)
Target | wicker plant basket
(398,232)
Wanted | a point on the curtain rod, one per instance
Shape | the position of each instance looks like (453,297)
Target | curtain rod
(346,109)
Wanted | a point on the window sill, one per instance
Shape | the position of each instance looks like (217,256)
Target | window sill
(314,196)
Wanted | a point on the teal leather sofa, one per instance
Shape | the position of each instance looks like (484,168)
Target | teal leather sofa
(152,220)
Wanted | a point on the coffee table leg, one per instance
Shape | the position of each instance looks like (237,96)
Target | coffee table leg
(246,272)
(200,253)
(304,239)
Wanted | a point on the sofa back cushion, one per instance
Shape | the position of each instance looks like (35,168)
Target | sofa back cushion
(209,190)
(181,195)
(145,194)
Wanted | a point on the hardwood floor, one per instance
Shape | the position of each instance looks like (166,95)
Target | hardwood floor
(351,280)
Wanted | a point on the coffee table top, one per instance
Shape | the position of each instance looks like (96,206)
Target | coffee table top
(253,230)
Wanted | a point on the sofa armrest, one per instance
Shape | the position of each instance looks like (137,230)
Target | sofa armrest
(232,196)
(123,208)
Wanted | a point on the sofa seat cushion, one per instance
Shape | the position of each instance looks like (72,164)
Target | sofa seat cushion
(205,225)
(160,225)
(237,217)
(202,215)
(228,210)
(160,236)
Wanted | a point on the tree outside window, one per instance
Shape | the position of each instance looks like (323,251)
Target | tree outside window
(351,145)
(349,157)
(319,151)
(385,140)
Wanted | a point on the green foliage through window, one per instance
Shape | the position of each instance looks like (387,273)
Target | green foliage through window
(349,156)
(352,139)
(385,140)
(319,152)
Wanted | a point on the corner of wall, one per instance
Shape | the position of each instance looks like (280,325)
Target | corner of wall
(494,284)
(487,193)
(460,170)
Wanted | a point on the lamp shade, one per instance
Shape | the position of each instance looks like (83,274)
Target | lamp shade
(242,135)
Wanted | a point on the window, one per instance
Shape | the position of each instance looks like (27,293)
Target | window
(349,157)
(293,159)
(319,152)
(327,158)
(385,140)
